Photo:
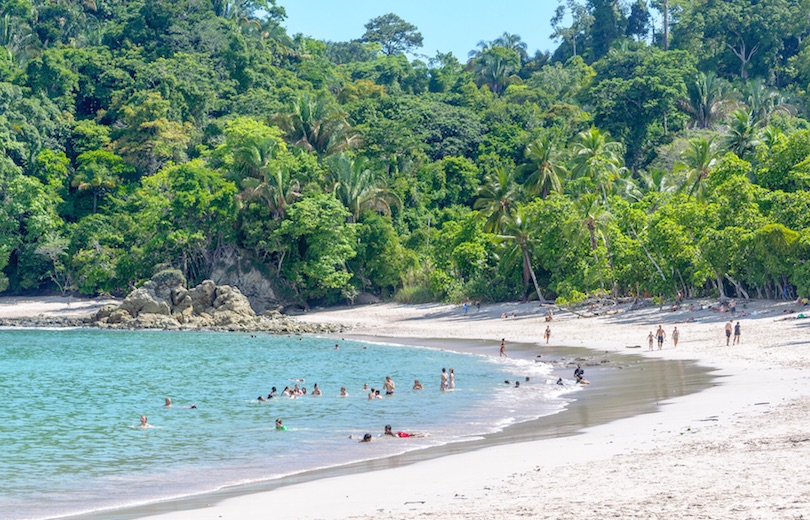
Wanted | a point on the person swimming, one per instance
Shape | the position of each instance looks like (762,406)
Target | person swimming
(417,385)
(560,381)
(145,423)
(316,390)
(168,402)
(280,426)
(343,392)
(402,435)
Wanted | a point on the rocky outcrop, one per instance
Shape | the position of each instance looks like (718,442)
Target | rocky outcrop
(165,303)
(234,270)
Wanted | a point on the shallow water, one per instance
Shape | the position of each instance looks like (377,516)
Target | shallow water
(71,401)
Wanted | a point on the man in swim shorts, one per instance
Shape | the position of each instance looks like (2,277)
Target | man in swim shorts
(661,335)
(389,386)
(728,332)
(736,333)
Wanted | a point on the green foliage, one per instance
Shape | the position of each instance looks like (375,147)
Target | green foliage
(141,135)
(394,34)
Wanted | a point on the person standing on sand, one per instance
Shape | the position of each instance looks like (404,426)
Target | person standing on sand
(737,333)
(661,335)
(650,339)
(466,308)
(728,332)
(675,336)
(547,334)
(503,348)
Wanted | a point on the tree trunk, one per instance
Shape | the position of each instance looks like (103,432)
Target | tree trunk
(666,25)
(738,287)
(720,289)
(528,264)
(646,252)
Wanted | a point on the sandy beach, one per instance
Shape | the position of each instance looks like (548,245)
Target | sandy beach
(740,449)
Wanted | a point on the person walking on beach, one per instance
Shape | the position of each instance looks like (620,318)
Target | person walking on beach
(728,332)
(675,336)
(547,334)
(466,308)
(736,333)
(650,339)
(503,348)
(661,335)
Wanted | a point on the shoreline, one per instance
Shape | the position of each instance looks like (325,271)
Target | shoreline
(613,403)
(737,450)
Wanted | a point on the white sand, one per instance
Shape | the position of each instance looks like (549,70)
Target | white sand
(740,450)
(50,306)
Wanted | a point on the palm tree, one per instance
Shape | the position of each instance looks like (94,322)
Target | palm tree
(315,123)
(707,102)
(360,187)
(97,172)
(518,229)
(697,162)
(656,180)
(513,42)
(264,178)
(545,169)
(742,134)
(496,67)
(764,102)
(497,198)
(592,216)
(597,158)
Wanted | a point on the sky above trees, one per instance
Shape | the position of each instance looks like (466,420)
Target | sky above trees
(447,25)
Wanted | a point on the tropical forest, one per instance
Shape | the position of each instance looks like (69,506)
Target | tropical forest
(662,149)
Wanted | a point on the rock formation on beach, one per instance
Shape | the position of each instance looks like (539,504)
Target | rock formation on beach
(165,303)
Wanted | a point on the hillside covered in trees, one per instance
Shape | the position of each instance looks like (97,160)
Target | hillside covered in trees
(663,147)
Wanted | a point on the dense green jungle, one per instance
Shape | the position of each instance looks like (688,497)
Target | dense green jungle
(663,148)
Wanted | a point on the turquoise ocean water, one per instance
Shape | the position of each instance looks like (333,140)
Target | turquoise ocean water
(70,402)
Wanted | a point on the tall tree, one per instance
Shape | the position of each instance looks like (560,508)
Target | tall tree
(519,230)
(545,168)
(597,158)
(497,198)
(395,35)
(697,162)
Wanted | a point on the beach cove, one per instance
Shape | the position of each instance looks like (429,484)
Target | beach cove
(740,449)
(737,450)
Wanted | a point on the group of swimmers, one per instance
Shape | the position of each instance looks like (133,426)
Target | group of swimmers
(297,391)
(448,382)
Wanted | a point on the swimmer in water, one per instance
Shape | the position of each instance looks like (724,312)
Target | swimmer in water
(401,435)
(388,385)
(560,381)
(262,399)
(366,438)
(168,402)
(417,385)
(316,390)
(343,392)
(145,422)
(280,426)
